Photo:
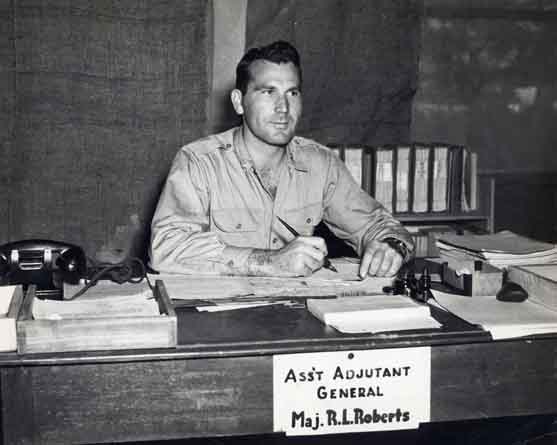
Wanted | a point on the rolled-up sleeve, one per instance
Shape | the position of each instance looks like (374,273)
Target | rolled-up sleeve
(355,216)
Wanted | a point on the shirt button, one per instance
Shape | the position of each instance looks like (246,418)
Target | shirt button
(275,240)
(308,220)
(238,226)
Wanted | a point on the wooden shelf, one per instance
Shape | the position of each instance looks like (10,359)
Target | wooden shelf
(430,219)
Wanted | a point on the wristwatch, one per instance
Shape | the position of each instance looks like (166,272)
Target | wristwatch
(399,246)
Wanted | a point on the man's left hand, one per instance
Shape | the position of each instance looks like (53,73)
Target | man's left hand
(380,260)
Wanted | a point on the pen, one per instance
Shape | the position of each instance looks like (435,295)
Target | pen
(326,262)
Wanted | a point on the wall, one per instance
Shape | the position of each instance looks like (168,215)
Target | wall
(487,79)
(97,97)
(229,44)
(359,60)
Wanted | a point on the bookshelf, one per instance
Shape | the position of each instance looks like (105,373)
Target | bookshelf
(432,188)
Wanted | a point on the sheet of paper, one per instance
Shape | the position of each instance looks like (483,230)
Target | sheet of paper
(235,306)
(6,294)
(501,319)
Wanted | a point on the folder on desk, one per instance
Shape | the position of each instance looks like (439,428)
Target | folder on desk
(501,249)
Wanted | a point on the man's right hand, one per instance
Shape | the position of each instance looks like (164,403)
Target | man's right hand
(301,257)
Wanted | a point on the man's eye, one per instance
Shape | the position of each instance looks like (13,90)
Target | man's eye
(295,93)
(267,92)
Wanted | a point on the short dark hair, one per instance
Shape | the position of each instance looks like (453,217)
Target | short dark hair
(276,52)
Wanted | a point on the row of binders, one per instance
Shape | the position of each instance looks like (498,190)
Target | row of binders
(416,178)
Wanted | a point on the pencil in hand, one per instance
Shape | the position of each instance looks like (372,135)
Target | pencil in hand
(326,262)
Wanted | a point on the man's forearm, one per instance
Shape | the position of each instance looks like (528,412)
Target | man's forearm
(260,262)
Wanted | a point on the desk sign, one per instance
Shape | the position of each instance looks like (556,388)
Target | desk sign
(351,391)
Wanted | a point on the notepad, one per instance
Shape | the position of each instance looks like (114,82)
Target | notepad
(372,313)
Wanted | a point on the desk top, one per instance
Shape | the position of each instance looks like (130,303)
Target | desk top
(263,330)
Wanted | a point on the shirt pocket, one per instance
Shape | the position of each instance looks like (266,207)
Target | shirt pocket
(304,219)
(237,227)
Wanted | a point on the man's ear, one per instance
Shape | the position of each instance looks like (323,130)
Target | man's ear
(236,98)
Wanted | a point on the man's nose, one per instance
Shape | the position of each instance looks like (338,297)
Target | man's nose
(281,105)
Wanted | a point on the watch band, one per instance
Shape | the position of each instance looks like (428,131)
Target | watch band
(399,246)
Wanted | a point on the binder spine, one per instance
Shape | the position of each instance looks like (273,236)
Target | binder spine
(395,169)
(430,178)
(367,170)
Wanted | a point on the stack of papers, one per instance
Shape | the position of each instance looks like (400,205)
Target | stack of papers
(501,319)
(104,300)
(372,313)
(500,249)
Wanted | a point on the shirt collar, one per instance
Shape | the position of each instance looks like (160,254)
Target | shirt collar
(294,152)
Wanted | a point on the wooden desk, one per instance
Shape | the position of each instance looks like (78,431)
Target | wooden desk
(219,380)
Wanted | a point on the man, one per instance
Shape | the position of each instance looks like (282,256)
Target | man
(226,196)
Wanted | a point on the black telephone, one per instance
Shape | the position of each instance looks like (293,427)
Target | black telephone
(47,264)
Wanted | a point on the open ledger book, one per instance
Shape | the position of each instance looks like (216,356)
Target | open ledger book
(221,289)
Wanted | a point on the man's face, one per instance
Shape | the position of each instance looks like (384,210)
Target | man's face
(272,104)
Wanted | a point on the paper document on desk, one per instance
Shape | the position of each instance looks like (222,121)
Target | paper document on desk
(104,300)
(372,313)
(500,249)
(501,319)
(222,307)
(322,283)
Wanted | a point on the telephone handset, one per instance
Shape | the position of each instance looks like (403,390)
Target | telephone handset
(45,263)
